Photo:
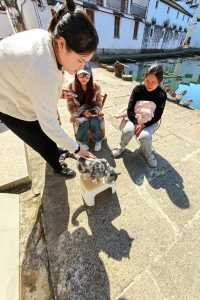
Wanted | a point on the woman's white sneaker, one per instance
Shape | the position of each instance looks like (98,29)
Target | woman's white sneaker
(116,152)
(84,146)
(98,146)
(150,159)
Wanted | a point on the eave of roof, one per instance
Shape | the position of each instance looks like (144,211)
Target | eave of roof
(177,6)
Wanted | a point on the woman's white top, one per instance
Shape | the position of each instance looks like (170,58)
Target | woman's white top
(30,82)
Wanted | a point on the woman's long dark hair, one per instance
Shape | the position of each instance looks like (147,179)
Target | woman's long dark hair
(76,28)
(85,97)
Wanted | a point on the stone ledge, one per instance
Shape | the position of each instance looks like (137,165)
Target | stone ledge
(14,170)
(9,250)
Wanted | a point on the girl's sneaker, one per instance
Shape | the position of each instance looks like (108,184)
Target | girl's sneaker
(150,159)
(84,146)
(98,146)
(116,152)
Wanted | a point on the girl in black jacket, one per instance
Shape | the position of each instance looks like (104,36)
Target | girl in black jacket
(145,108)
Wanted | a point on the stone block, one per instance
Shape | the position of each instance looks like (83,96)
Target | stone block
(14,171)
(143,288)
(177,272)
(177,192)
(9,250)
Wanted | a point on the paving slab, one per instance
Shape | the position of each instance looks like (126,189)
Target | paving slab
(129,235)
(177,192)
(177,272)
(191,135)
(173,148)
(9,250)
(143,288)
(14,171)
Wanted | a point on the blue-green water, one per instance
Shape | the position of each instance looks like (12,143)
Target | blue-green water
(180,74)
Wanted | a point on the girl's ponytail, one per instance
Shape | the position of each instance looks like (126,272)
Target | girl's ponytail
(75,27)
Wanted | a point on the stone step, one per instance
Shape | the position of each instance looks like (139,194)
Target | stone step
(13,165)
(9,250)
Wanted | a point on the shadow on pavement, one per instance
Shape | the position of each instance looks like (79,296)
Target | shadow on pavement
(107,238)
(59,264)
(162,177)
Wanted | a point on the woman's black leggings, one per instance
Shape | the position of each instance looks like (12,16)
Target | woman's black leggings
(32,134)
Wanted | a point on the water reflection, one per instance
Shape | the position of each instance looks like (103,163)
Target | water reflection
(180,75)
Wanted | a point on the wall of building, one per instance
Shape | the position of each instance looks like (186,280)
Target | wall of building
(5,26)
(35,16)
(151,35)
(195,29)
(195,39)
(161,14)
(158,36)
(106,33)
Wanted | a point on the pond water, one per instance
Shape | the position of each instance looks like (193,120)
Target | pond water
(182,74)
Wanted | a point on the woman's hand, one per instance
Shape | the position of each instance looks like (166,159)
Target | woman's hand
(139,118)
(73,119)
(87,114)
(138,129)
(100,114)
(69,95)
(85,154)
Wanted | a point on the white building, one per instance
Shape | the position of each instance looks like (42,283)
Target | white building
(5,26)
(166,24)
(36,14)
(120,23)
(132,25)
(123,25)
(194,30)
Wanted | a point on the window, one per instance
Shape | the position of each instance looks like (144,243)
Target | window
(90,14)
(157,2)
(177,15)
(183,17)
(168,10)
(124,6)
(117,27)
(151,32)
(136,29)
(188,19)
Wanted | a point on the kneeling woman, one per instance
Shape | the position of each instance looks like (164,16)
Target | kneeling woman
(145,109)
(84,103)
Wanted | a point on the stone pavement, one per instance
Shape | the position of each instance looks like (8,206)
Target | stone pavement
(141,243)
